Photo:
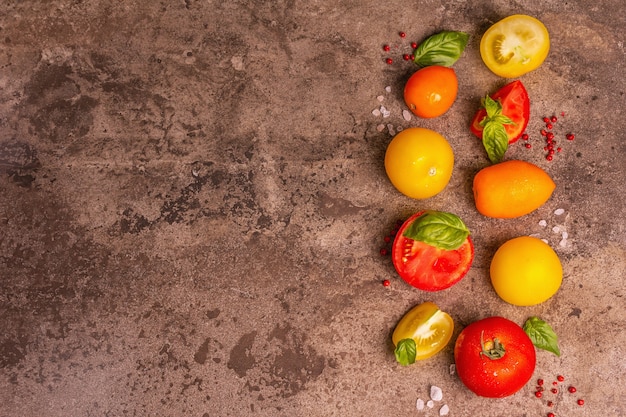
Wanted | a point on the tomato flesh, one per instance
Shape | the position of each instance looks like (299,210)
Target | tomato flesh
(427,267)
(494,378)
(515,105)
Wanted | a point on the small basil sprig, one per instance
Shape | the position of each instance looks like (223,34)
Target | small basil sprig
(443,48)
(406,352)
(438,228)
(542,335)
(495,138)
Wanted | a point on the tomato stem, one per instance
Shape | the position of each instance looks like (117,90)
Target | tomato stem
(492,349)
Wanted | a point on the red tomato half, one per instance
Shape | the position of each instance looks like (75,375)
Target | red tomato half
(515,105)
(427,267)
(499,377)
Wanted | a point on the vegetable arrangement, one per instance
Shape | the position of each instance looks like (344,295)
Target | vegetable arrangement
(433,250)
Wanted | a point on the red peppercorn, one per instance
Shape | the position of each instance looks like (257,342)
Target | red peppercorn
(386,283)
(549,403)
(389,61)
(549,157)
(554,390)
(387,239)
(569,136)
(558,149)
(543,132)
(386,47)
(402,34)
(540,382)
(414,45)
(538,394)
(525,136)
(562,114)
(551,415)
(553,119)
(550,135)
(549,126)
(581,402)
(555,383)
(384,252)
(528,145)
(560,378)
(572,389)
(406,57)
(546,120)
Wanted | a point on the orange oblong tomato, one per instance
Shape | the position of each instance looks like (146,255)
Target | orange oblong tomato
(431,91)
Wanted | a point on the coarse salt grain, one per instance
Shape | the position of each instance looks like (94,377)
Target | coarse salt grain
(443,411)
(436,394)
(380,98)
(543,223)
(407,115)
(388,89)
(430,404)
(419,404)
(558,212)
(376,112)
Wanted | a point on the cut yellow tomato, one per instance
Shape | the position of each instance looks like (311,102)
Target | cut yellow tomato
(421,333)
(515,45)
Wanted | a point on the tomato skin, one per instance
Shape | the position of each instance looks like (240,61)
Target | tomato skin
(515,105)
(494,378)
(427,267)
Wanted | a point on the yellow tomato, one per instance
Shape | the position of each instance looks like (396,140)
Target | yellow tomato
(526,271)
(419,162)
(515,45)
(421,333)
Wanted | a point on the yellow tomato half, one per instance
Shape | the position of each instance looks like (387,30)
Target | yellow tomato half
(515,45)
(419,162)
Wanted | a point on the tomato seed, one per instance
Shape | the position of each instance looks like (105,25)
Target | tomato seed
(386,47)
(402,34)
(581,402)
(406,57)
(572,389)
(389,61)
(386,283)
(414,45)
(560,378)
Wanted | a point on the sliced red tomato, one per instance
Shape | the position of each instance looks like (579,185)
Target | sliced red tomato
(427,267)
(515,105)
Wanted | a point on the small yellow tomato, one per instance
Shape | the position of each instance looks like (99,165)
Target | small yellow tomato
(419,162)
(515,45)
(526,271)
(421,333)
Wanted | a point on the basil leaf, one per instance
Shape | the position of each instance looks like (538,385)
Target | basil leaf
(542,335)
(443,48)
(495,141)
(437,228)
(405,352)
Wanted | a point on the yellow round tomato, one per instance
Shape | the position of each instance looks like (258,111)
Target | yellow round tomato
(526,271)
(515,45)
(421,333)
(419,162)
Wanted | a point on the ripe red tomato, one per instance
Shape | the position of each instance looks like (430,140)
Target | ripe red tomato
(494,357)
(515,105)
(427,267)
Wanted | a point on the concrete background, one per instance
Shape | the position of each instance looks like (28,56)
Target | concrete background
(193,203)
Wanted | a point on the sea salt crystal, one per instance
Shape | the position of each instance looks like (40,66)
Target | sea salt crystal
(544,240)
(406,114)
(419,404)
(443,411)
(558,212)
(563,243)
(543,223)
(380,98)
(399,128)
(435,393)
(556,229)
(564,235)
(430,404)
(376,112)
(380,127)
(384,111)
(388,89)
(452,369)
(391,130)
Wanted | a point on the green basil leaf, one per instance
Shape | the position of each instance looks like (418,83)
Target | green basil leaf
(437,228)
(405,352)
(542,335)
(495,141)
(443,48)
